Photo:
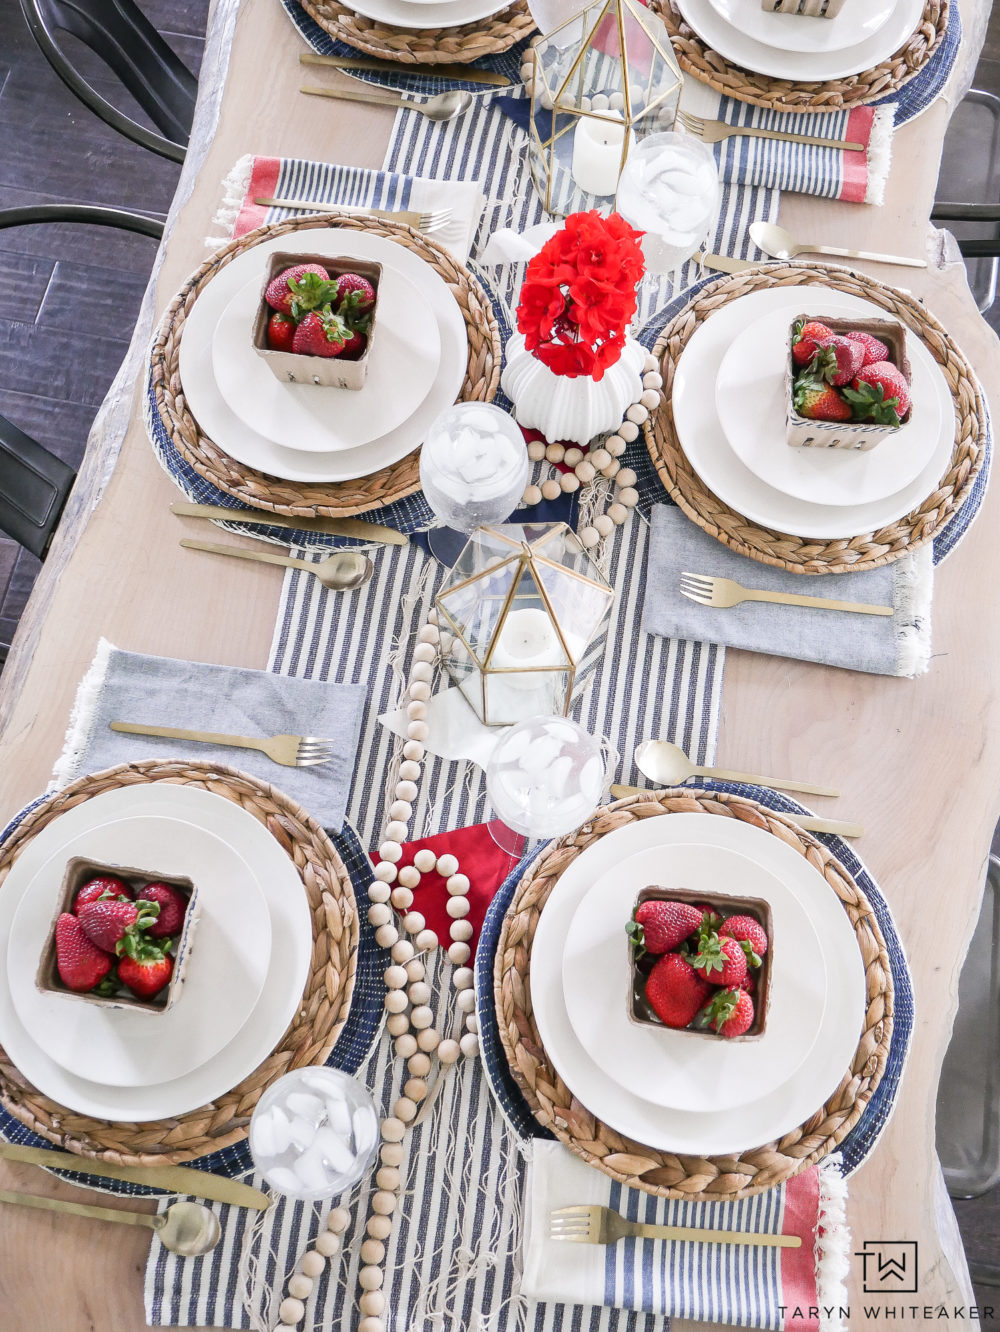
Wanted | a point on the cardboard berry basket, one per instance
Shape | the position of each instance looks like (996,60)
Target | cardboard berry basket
(803,432)
(639,1009)
(295,367)
(81,870)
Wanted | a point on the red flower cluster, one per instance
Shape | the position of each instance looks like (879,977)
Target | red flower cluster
(579,295)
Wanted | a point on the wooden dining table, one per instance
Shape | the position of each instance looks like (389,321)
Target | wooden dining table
(916,761)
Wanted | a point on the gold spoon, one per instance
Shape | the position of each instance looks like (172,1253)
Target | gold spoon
(186,1228)
(668,765)
(443,106)
(781,244)
(341,572)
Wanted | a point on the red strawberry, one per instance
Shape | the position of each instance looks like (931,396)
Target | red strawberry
(819,401)
(731,1013)
(838,360)
(720,960)
(146,976)
(355,294)
(281,293)
(321,333)
(874,349)
(354,347)
(280,331)
(880,393)
(750,934)
(81,964)
(106,886)
(109,924)
(748,983)
(676,991)
(804,340)
(172,905)
(657,926)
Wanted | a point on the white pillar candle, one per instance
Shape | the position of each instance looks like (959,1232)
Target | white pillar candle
(527,639)
(597,154)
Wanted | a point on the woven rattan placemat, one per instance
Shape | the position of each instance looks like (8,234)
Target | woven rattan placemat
(708,66)
(663,1173)
(315,1027)
(426,46)
(802,554)
(328,499)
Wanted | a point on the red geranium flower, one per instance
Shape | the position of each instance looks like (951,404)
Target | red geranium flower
(579,294)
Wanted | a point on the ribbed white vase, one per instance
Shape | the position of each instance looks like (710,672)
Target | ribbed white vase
(567,408)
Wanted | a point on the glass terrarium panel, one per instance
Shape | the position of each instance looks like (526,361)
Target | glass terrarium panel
(476,608)
(467,676)
(514,698)
(579,605)
(527,639)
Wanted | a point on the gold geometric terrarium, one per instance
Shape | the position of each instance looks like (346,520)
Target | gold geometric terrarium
(522,615)
(602,80)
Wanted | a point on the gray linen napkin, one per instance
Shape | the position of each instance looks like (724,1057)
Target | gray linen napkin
(881,645)
(159,691)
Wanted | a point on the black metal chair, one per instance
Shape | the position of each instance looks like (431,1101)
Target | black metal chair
(124,39)
(972,247)
(34,482)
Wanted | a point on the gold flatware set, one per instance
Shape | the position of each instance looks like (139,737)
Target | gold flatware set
(592,1224)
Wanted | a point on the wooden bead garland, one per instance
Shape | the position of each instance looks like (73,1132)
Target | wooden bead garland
(409,1016)
(602,461)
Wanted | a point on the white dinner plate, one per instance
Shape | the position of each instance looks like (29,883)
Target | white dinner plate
(750,398)
(403,362)
(676,1068)
(704,1132)
(428,13)
(248,446)
(801,66)
(225,973)
(857,21)
(291,953)
(704,441)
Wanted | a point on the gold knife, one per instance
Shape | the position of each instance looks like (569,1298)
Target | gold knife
(722,263)
(175,1179)
(807,821)
(347,527)
(411,218)
(425,71)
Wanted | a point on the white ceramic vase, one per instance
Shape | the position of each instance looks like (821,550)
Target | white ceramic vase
(574,409)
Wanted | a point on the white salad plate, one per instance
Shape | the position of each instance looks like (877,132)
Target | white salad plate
(428,13)
(779,1109)
(217,419)
(230,952)
(735,44)
(291,953)
(858,20)
(677,1068)
(403,362)
(707,447)
(750,398)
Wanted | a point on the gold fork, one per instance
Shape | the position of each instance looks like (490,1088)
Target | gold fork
(425,222)
(724,592)
(600,1225)
(291,751)
(714,131)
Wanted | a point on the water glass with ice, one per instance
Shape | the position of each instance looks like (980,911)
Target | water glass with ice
(473,469)
(314,1133)
(544,778)
(670,190)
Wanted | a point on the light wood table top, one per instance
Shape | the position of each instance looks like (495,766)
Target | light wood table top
(916,761)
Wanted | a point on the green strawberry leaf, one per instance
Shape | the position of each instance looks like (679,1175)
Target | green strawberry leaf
(637,938)
(869,403)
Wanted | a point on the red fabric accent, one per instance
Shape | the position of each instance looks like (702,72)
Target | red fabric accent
(479,858)
(263,183)
(798,1266)
(859,130)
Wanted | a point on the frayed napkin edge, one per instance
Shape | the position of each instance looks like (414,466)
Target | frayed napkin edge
(913,592)
(81,720)
(833,1244)
(880,153)
(234,191)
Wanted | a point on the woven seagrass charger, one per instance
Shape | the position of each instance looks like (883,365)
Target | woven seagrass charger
(425,46)
(327,499)
(664,1173)
(708,66)
(313,1031)
(802,554)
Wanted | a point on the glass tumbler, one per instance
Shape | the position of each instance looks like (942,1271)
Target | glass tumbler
(670,190)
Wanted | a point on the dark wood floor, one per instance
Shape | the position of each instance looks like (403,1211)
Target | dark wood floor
(69,296)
